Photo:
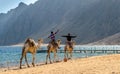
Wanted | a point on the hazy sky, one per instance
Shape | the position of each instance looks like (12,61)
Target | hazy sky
(6,5)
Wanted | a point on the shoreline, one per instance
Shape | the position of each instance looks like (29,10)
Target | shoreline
(107,64)
(64,45)
(41,45)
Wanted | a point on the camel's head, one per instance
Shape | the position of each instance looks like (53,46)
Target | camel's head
(73,42)
(40,41)
(58,41)
(28,40)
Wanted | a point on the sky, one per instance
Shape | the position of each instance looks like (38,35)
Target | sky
(6,5)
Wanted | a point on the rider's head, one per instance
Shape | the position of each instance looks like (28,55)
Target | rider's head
(68,34)
(51,32)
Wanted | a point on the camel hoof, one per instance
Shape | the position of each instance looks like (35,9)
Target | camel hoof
(50,62)
(46,63)
(20,67)
(57,61)
(33,64)
(28,66)
(69,58)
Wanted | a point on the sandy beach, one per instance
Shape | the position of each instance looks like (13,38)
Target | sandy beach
(109,64)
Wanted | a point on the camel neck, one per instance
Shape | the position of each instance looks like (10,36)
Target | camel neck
(39,44)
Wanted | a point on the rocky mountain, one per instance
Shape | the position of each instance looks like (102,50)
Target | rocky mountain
(111,40)
(90,20)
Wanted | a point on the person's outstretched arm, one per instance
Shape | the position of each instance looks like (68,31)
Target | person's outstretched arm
(49,36)
(73,36)
(56,32)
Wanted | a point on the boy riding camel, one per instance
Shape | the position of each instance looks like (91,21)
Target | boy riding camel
(52,37)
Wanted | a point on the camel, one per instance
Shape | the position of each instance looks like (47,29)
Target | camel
(30,46)
(52,48)
(69,49)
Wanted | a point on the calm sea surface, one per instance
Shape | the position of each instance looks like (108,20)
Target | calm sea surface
(10,55)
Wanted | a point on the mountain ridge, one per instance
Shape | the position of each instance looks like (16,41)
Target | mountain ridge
(90,20)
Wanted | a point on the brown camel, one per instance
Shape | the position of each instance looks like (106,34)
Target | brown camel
(52,48)
(68,49)
(30,46)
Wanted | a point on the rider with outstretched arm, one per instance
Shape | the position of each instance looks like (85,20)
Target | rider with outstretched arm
(69,39)
(52,36)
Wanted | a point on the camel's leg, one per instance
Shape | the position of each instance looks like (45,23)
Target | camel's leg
(23,55)
(46,58)
(64,53)
(67,52)
(70,54)
(48,55)
(26,61)
(21,61)
(55,56)
(49,58)
(33,56)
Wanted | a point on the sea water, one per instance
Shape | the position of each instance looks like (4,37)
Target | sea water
(10,55)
